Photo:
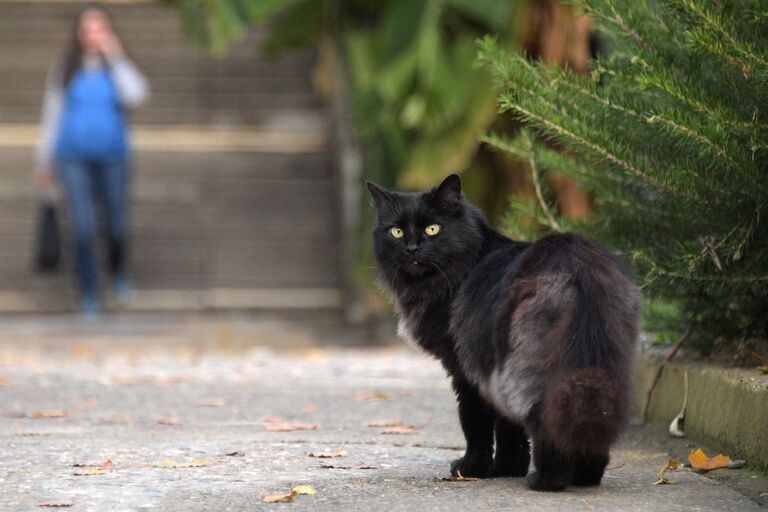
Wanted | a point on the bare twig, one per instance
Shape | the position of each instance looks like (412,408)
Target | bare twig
(537,185)
(679,343)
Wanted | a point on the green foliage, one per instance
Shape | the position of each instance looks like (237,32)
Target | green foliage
(419,101)
(670,133)
(216,23)
(419,98)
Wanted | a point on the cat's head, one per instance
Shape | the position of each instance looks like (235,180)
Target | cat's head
(426,235)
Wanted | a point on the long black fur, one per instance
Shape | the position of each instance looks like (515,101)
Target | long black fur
(537,338)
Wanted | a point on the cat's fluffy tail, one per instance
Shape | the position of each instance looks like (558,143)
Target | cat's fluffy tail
(585,409)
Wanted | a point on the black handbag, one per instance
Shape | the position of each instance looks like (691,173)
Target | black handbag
(48,250)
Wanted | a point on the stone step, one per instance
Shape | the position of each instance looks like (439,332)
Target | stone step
(234,198)
(171,116)
(183,166)
(190,100)
(213,83)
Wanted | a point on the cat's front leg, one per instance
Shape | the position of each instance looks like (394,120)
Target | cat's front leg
(477,420)
(513,451)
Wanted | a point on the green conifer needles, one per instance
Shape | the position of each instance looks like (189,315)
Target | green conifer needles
(670,133)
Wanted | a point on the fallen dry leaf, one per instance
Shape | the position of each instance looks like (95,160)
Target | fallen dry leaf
(169,420)
(388,423)
(762,369)
(355,466)
(671,465)
(53,413)
(94,463)
(120,417)
(212,402)
(457,478)
(60,413)
(56,503)
(278,498)
(404,430)
(97,468)
(376,395)
(700,461)
(167,463)
(91,471)
(124,380)
(327,454)
(289,427)
(289,496)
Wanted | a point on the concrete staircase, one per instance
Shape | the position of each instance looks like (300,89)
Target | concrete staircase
(235,194)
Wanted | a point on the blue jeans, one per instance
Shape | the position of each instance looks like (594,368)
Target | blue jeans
(89,185)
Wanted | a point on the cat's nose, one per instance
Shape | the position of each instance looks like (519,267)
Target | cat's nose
(412,249)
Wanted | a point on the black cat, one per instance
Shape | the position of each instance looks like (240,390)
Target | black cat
(538,338)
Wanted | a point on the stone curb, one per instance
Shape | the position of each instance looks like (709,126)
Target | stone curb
(726,408)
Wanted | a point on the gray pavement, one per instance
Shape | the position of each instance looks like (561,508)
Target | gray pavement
(146,395)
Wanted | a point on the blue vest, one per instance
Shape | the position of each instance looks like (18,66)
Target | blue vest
(92,124)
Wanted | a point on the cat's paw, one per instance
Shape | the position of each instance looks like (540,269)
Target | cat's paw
(474,467)
(586,480)
(510,468)
(539,482)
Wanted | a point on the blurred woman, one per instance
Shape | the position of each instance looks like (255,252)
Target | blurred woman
(84,140)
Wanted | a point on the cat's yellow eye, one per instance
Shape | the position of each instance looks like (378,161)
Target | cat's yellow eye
(432,229)
(396,232)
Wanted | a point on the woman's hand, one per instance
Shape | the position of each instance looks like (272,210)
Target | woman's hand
(43,180)
(110,46)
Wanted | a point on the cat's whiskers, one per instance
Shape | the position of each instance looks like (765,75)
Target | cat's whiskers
(442,273)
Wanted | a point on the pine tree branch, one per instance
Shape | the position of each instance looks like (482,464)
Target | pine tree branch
(707,19)
(603,152)
(719,149)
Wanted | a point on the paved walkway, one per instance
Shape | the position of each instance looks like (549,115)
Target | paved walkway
(105,417)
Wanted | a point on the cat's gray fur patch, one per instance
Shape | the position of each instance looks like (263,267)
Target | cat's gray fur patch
(517,384)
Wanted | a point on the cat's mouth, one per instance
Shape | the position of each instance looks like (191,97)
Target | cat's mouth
(417,268)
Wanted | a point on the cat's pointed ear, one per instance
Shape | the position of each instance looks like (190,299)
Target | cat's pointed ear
(381,197)
(448,193)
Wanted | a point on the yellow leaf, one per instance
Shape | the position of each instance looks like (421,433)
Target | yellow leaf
(303,489)
(92,471)
(173,464)
(699,460)
(388,423)
(458,478)
(327,454)
(288,427)
(671,465)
